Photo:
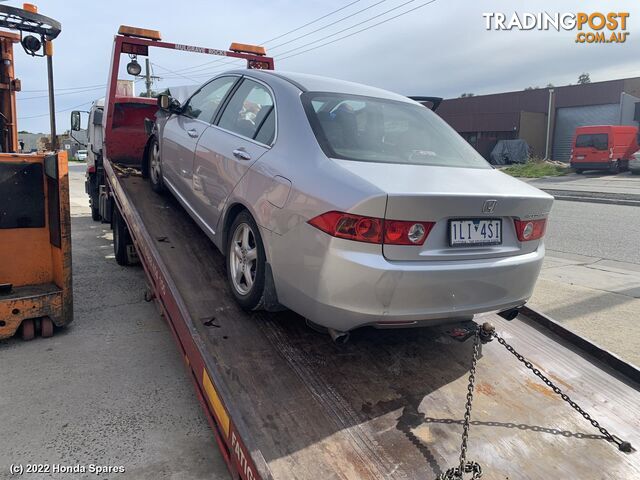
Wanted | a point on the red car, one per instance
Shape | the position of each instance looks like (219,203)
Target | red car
(603,147)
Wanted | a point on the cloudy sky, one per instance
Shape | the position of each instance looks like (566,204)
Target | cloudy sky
(440,48)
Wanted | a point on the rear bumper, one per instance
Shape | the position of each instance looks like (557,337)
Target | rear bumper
(347,289)
(591,165)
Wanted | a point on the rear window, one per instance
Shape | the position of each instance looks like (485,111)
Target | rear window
(599,141)
(367,129)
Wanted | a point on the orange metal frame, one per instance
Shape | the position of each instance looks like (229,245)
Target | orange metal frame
(36,262)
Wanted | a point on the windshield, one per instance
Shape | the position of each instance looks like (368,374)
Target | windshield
(367,129)
(599,141)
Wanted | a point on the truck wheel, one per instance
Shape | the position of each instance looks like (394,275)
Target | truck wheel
(615,167)
(95,210)
(155,167)
(246,262)
(121,238)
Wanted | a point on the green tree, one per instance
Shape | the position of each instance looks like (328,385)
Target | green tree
(583,79)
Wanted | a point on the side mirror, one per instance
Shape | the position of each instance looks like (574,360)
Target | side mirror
(75,121)
(164,101)
(168,103)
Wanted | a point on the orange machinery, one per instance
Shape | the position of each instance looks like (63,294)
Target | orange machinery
(35,238)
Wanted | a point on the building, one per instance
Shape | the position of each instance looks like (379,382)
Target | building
(38,142)
(484,119)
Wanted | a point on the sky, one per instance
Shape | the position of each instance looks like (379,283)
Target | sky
(441,48)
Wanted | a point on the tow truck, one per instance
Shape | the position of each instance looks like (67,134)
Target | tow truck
(35,236)
(284,401)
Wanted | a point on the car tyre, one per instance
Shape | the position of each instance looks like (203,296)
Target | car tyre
(155,166)
(246,262)
(121,239)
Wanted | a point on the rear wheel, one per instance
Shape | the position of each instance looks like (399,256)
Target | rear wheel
(578,170)
(121,239)
(615,167)
(246,262)
(28,329)
(46,327)
(155,166)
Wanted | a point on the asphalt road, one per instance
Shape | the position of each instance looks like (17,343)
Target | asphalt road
(610,232)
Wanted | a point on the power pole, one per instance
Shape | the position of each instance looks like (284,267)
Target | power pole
(147,75)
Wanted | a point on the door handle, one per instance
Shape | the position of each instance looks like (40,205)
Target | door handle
(193,133)
(241,154)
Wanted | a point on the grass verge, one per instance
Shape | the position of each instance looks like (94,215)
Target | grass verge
(536,170)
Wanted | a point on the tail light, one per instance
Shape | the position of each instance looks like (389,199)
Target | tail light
(530,229)
(91,169)
(371,229)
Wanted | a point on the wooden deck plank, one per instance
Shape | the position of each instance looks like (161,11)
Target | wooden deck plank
(389,404)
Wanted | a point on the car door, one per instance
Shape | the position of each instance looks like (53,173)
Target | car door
(242,133)
(182,131)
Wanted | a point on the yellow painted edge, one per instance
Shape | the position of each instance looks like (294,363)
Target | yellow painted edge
(215,402)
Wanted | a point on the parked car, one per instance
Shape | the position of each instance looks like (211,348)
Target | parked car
(634,163)
(603,147)
(81,155)
(348,204)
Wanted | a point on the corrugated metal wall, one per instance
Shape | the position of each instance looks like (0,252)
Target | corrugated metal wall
(568,118)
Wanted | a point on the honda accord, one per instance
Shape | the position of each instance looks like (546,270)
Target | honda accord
(348,204)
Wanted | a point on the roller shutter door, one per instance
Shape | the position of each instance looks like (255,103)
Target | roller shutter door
(568,118)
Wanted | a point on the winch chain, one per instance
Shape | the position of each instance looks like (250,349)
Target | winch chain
(623,446)
(456,473)
(484,334)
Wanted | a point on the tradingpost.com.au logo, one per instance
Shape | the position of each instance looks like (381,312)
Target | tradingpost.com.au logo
(593,27)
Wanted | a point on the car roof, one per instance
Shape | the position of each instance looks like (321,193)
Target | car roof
(317,83)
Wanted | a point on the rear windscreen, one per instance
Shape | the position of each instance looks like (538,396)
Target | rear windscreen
(367,129)
(599,141)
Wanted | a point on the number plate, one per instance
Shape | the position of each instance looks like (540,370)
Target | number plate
(580,157)
(475,232)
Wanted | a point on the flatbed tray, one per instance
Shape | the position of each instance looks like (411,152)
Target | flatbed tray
(389,404)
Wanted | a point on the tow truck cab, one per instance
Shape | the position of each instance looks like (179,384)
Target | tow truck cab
(603,147)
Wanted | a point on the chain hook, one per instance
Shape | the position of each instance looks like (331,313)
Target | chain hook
(481,335)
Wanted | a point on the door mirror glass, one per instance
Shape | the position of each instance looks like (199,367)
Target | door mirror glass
(75,121)
(164,101)
(169,104)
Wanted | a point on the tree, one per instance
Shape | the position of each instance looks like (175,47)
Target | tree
(467,95)
(583,79)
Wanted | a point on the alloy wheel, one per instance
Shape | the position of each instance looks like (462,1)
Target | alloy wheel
(243,259)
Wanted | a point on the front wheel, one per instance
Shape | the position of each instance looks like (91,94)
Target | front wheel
(155,167)
(122,242)
(246,262)
(95,210)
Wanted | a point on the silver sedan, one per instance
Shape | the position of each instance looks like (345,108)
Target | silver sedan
(348,204)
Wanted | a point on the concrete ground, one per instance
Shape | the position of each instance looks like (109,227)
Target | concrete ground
(590,281)
(111,389)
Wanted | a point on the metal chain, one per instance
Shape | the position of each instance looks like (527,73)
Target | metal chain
(622,445)
(456,473)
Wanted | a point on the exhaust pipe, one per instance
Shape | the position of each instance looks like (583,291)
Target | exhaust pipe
(338,337)
(510,314)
